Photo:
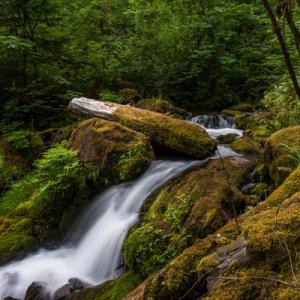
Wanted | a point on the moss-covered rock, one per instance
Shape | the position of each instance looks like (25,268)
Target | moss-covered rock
(281,154)
(192,206)
(227,139)
(164,131)
(114,151)
(246,145)
(171,133)
(245,121)
(161,106)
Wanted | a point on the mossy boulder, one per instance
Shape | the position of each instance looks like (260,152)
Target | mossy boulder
(161,106)
(114,151)
(281,153)
(191,206)
(227,138)
(246,145)
(166,132)
(171,133)
(245,121)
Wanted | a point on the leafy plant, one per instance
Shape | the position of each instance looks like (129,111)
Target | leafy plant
(282,106)
(108,95)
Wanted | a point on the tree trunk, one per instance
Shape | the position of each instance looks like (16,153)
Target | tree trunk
(283,46)
(289,17)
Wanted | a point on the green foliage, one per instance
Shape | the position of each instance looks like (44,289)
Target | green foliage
(203,54)
(124,285)
(55,173)
(108,95)
(281,105)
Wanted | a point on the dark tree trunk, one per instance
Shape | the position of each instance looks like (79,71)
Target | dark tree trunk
(289,18)
(283,46)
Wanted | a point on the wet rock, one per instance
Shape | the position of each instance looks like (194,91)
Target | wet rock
(246,145)
(227,138)
(74,285)
(79,284)
(37,291)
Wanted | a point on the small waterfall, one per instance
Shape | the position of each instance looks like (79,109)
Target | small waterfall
(96,253)
(216,125)
(214,121)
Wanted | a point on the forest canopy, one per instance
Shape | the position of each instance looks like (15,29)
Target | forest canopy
(203,55)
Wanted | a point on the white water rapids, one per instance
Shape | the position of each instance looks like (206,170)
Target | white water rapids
(96,254)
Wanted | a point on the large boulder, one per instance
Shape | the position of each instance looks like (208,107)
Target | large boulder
(246,145)
(171,133)
(116,152)
(189,207)
(282,153)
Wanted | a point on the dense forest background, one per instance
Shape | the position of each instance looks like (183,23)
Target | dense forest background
(202,55)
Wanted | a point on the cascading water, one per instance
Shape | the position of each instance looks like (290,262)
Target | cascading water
(217,125)
(100,235)
(95,252)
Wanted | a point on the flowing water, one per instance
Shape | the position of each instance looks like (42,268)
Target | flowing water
(93,249)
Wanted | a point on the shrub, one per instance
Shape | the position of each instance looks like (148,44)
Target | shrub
(107,95)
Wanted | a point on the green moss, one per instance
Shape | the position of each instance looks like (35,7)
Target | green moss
(261,190)
(178,135)
(246,145)
(279,153)
(149,247)
(125,284)
(245,121)
(161,106)
(113,151)
(258,134)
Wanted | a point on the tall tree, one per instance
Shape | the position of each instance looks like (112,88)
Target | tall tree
(284,7)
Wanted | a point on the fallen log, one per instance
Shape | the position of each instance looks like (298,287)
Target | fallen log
(178,135)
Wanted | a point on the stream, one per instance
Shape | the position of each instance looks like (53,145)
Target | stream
(92,250)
